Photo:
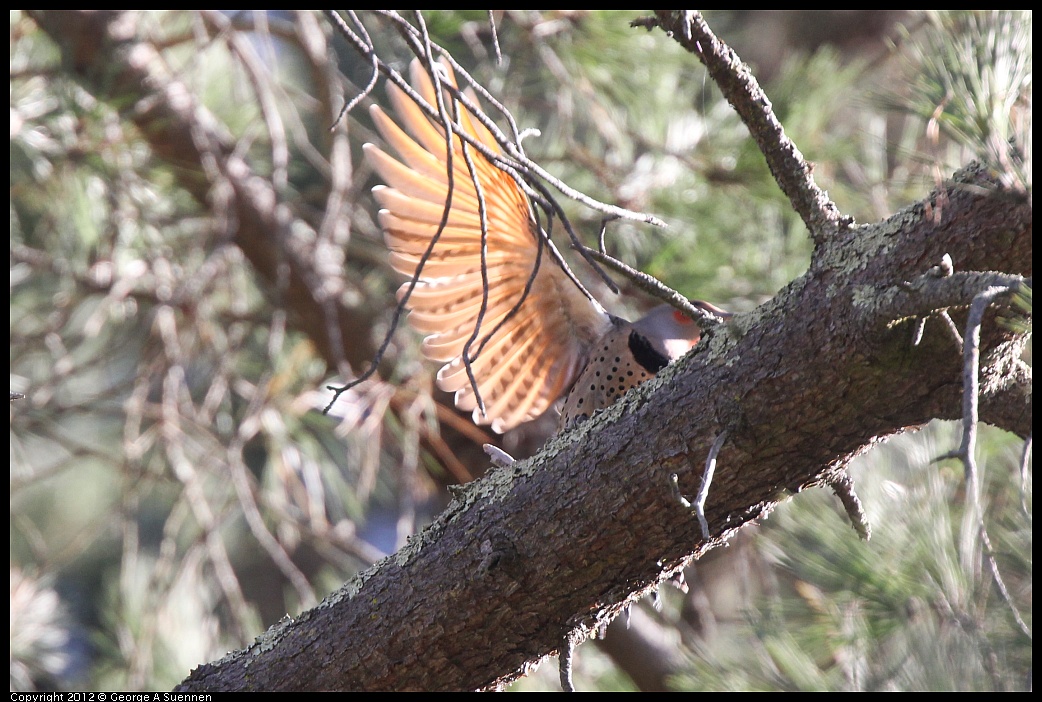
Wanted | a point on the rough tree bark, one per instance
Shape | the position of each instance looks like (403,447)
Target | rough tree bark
(559,544)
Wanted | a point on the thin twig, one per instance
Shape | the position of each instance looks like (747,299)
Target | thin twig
(529,283)
(843,485)
(953,329)
(512,147)
(414,281)
(449,126)
(495,38)
(576,243)
(483,218)
(245,488)
(698,505)
(656,288)
(707,480)
(370,52)
(564,661)
(970,421)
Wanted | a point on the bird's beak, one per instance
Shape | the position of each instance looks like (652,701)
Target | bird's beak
(712,309)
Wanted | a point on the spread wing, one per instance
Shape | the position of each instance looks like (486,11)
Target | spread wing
(523,357)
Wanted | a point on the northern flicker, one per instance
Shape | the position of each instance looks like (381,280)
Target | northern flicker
(541,337)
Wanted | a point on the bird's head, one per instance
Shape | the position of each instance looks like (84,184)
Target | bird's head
(671,332)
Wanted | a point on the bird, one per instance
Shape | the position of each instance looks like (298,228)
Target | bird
(537,335)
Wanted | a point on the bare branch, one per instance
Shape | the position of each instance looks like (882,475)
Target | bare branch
(843,486)
(565,656)
(967,450)
(927,294)
(739,86)
(370,51)
(656,288)
(698,506)
(495,38)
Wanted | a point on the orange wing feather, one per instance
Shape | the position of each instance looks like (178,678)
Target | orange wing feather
(532,359)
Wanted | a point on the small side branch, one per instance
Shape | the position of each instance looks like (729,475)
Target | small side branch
(698,506)
(970,421)
(928,294)
(564,658)
(654,287)
(790,170)
(843,486)
(366,48)
(971,380)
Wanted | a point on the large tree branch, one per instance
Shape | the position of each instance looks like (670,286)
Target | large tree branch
(562,542)
(565,540)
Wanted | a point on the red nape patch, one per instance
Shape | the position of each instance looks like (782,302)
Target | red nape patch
(681,318)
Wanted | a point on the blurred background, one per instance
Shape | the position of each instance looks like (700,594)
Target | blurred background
(176,488)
